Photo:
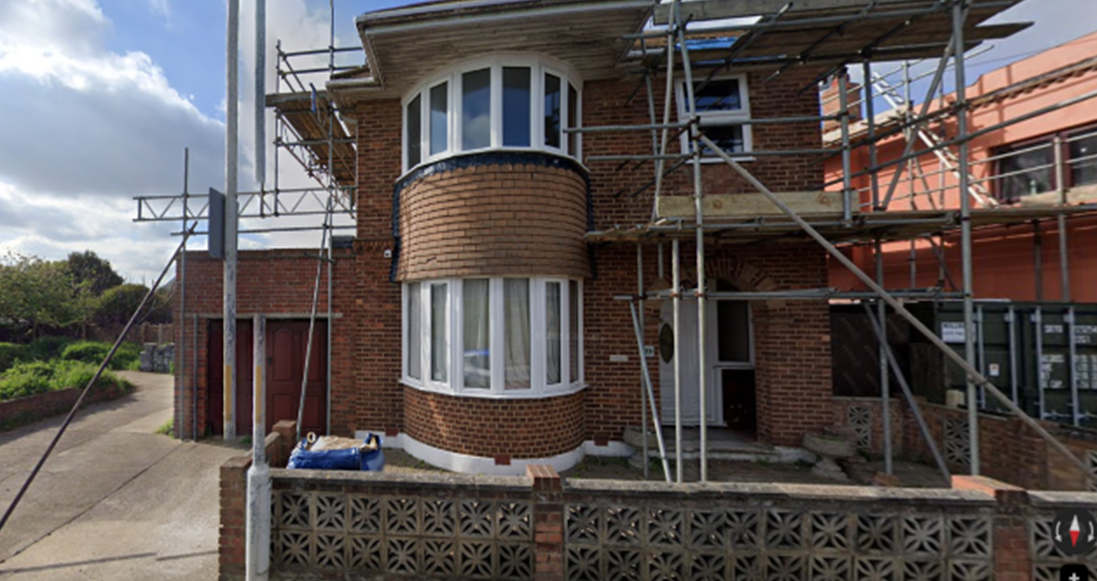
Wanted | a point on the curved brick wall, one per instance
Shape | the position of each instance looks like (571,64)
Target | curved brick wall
(493,214)
(519,428)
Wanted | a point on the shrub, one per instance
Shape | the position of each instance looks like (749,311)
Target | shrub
(93,352)
(44,348)
(10,353)
(36,377)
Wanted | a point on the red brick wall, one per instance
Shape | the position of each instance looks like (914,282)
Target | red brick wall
(17,412)
(516,428)
(271,282)
(494,220)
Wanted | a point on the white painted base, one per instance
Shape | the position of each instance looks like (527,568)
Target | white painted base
(466,464)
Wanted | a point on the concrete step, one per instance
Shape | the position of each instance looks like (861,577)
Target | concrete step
(722,445)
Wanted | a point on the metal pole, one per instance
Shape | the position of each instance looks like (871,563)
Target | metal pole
(181,426)
(260,92)
(643,361)
(1064,247)
(1038,259)
(698,194)
(669,93)
(847,169)
(915,409)
(231,213)
(1041,382)
(1011,325)
(651,395)
(676,274)
(257,540)
(885,383)
(1076,412)
(194,378)
(312,319)
(981,353)
(958,15)
(899,308)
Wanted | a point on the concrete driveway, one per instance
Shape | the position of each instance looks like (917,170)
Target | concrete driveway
(115,500)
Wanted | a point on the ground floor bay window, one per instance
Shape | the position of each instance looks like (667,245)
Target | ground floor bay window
(493,337)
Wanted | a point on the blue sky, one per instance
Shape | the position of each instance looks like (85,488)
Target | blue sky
(101,96)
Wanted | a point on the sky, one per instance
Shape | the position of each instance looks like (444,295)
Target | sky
(100,98)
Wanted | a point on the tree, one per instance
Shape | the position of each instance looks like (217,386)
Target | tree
(117,305)
(88,269)
(37,292)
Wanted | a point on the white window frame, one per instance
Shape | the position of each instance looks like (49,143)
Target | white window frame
(718,118)
(538,65)
(455,385)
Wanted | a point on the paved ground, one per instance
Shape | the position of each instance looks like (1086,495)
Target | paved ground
(115,500)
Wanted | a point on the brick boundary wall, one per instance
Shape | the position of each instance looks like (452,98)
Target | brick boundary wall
(1009,450)
(502,429)
(26,410)
(542,527)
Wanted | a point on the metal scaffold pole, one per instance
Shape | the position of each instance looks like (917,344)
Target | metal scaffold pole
(959,15)
(231,217)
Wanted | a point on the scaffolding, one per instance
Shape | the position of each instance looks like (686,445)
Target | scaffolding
(694,42)
(309,129)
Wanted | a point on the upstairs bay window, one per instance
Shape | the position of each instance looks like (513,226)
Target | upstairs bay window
(497,337)
(501,103)
(720,104)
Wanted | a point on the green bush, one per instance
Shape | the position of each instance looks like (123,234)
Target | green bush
(10,353)
(45,348)
(93,352)
(36,377)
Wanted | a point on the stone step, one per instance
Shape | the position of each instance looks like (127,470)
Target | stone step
(722,445)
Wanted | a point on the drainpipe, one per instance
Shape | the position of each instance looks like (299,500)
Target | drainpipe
(257,547)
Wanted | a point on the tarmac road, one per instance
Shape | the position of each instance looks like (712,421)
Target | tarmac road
(114,500)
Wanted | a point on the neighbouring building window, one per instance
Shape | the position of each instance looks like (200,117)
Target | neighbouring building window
(505,337)
(503,102)
(1028,168)
(721,105)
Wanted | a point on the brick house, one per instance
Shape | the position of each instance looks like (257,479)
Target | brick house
(475,316)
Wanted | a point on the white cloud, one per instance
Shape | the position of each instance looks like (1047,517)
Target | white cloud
(161,8)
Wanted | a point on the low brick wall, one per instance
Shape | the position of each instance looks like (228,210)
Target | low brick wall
(1009,450)
(25,410)
(430,526)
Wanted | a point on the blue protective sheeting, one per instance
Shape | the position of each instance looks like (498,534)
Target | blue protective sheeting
(347,459)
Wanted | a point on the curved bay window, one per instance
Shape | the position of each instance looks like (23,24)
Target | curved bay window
(494,337)
(498,103)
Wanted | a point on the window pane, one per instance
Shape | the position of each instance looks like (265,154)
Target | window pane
(573,330)
(439,118)
(573,120)
(720,95)
(728,137)
(438,295)
(1025,173)
(552,110)
(552,332)
(415,332)
(1082,170)
(733,331)
(516,333)
(414,135)
(476,109)
(477,324)
(516,106)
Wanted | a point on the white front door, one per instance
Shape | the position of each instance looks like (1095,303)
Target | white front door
(690,394)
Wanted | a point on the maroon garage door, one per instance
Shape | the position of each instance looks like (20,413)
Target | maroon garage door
(287,342)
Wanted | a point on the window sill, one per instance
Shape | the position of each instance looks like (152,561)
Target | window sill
(510,394)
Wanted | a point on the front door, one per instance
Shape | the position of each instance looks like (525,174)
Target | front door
(287,342)
(729,376)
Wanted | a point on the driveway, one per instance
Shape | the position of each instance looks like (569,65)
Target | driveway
(114,500)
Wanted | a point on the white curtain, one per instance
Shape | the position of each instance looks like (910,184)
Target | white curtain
(516,322)
(438,332)
(553,326)
(415,332)
(476,334)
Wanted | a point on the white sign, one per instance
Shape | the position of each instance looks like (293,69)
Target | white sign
(953,332)
(994,370)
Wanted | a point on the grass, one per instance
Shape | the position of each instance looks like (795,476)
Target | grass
(35,377)
(165,428)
